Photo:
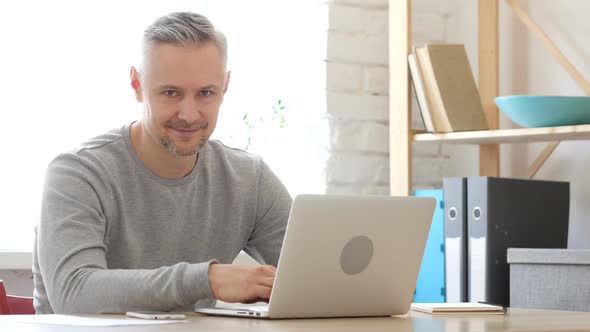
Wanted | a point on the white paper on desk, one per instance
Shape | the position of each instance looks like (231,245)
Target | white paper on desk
(457,308)
(67,320)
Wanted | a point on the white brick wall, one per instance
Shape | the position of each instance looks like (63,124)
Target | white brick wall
(358,168)
(357,96)
(347,18)
(362,48)
(343,105)
(379,4)
(376,80)
(359,136)
(346,78)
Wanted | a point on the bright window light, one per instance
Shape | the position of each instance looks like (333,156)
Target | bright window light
(64,78)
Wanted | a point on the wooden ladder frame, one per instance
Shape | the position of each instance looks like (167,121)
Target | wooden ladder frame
(400,44)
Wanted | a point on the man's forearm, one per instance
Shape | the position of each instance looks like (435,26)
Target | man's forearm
(92,290)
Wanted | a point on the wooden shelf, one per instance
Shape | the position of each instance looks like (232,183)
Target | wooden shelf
(518,135)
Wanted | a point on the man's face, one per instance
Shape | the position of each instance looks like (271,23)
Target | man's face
(182,90)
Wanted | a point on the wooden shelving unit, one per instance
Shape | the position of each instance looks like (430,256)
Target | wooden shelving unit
(500,136)
(401,134)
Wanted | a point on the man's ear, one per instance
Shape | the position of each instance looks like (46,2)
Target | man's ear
(226,81)
(136,84)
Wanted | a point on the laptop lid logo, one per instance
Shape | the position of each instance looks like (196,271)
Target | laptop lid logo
(356,255)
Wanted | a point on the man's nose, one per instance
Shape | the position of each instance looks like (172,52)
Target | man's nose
(189,110)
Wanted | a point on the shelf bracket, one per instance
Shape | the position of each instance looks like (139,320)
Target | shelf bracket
(550,45)
(541,158)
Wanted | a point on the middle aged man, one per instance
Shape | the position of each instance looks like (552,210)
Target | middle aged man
(150,215)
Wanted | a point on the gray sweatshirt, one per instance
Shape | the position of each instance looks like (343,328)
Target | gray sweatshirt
(114,237)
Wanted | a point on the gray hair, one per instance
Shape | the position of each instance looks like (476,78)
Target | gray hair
(184,29)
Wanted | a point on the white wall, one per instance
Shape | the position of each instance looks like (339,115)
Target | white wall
(17,282)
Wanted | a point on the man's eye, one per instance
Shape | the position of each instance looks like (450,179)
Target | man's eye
(169,93)
(206,93)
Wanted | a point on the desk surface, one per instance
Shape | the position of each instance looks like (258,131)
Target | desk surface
(516,320)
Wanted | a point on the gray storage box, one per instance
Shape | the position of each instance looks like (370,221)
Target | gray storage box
(549,279)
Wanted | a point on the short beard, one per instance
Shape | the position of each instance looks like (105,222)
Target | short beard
(171,147)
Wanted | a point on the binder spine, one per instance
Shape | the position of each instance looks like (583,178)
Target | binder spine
(455,222)
(477,231)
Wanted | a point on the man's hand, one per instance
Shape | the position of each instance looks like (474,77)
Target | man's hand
(240,283)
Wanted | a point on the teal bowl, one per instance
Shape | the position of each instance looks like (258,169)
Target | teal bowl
(545,111)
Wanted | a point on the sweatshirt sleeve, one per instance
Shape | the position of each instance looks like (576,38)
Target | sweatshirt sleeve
(72,252)
(272,214)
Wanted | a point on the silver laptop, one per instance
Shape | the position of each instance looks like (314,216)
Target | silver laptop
(346,256)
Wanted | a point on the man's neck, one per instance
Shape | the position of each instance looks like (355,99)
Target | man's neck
(155,157)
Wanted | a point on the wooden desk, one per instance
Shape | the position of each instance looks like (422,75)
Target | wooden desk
(517,320)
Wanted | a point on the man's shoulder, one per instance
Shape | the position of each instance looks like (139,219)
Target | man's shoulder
(235,154)
(104,141)
(233,157)
(98,149)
